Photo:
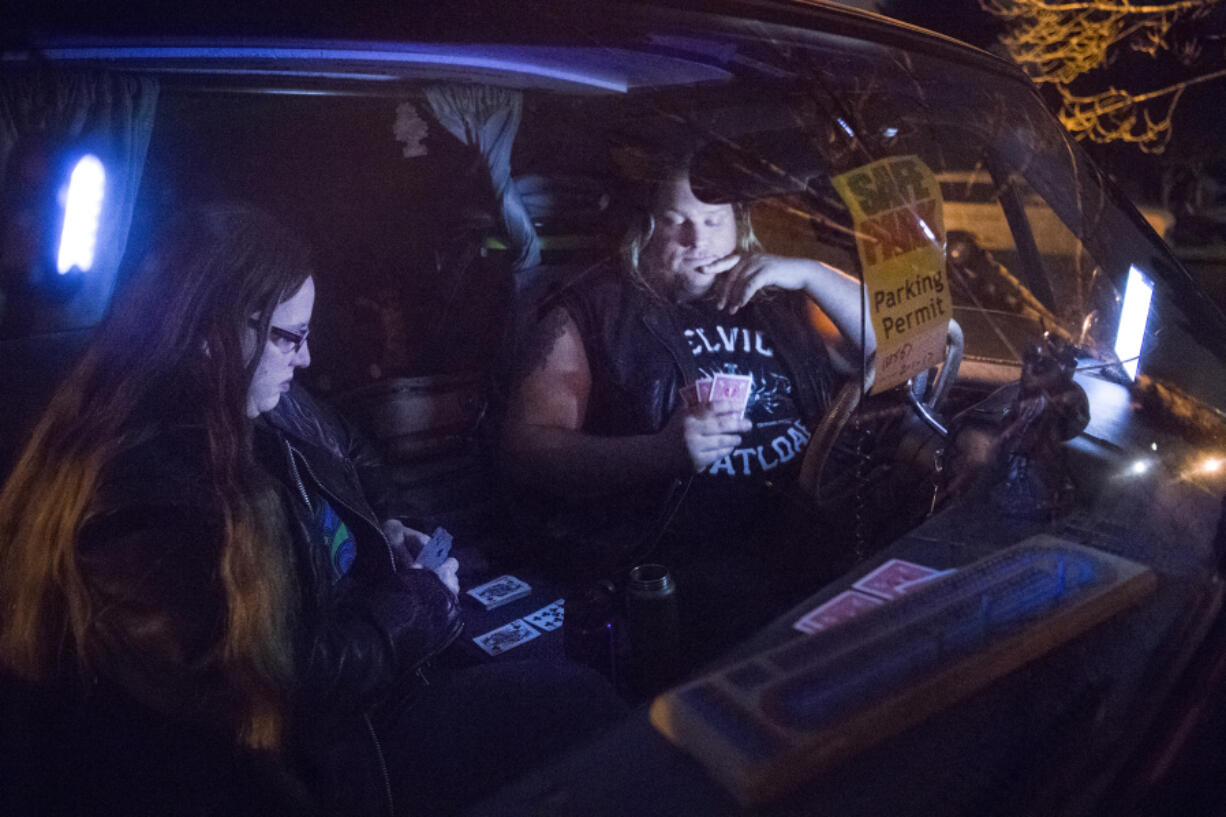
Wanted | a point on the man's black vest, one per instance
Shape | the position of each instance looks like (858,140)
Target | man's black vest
(638,357)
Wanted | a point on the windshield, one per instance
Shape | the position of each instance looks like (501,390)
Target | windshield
(1023,357)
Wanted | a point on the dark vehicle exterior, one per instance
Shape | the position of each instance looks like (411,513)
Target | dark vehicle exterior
(453,162)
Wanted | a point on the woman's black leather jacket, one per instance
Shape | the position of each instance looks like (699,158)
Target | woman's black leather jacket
(150,555)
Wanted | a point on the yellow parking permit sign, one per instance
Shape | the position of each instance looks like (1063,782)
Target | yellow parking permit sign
(900,233)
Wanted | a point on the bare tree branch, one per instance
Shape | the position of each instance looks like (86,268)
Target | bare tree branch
(1056,43)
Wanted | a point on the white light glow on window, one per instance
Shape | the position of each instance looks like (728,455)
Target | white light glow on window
(81,211)
(890,133)
(927,230)
(1133,317)
(846,128)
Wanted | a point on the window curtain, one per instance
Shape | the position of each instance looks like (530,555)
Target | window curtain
(108,114)
(487,118)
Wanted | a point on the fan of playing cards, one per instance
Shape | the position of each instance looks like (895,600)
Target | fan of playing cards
(731,388)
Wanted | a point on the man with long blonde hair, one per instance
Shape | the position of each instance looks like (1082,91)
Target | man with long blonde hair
(610,423)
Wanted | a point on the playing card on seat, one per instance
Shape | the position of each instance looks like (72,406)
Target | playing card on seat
(500,591)
(547,618)
(506,637)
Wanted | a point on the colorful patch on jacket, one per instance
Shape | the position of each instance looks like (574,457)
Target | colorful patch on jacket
(339,541)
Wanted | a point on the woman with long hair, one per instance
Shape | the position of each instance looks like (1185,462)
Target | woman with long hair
(169,562)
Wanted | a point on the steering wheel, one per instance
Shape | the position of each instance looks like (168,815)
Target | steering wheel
(924,393)
(926,397)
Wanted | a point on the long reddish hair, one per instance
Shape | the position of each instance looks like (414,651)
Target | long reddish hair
(185,316)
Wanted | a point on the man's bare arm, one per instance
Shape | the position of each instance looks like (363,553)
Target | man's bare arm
(837,299)
(544,444)
(841,304)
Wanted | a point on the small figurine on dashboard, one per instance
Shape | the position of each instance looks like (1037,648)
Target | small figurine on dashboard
(1031,473)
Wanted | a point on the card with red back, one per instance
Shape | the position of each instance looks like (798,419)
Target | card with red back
(886,580)
(843,607)
(907,587)
(732,388)
(689,395)
(704,389)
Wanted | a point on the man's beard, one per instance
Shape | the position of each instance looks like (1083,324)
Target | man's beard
(687,287)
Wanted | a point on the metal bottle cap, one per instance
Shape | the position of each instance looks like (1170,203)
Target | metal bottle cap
(650,578)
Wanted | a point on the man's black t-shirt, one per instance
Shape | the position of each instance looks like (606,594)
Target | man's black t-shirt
(730,541)
(735,344)
(733,506)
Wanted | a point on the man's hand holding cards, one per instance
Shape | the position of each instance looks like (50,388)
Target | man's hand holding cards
(732,389)
(713,419)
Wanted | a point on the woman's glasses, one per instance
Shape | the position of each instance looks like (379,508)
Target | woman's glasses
(286,341)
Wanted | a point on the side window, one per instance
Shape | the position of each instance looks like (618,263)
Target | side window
(1067,266)
(1016,271)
